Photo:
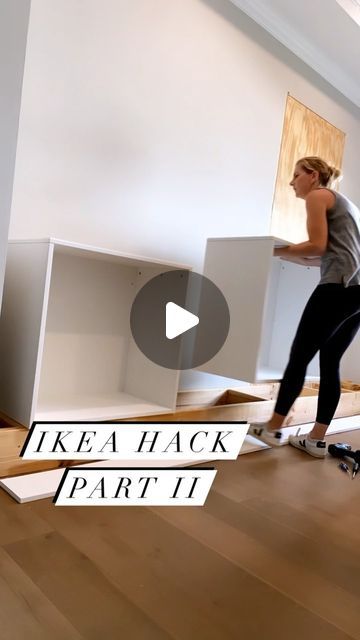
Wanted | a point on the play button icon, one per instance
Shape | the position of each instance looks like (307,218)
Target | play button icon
(179,319)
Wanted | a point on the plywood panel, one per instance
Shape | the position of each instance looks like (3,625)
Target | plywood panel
(305,133)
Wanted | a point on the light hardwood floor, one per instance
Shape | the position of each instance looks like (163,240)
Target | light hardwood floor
(274,553)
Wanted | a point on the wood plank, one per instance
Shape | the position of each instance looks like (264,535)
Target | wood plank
(247,411)
(158,592)
(80,591)
(303,412)
(253,561)
(258,558)
(253,403)
(254,518)
(39,619)
(211,397)
(18,523)
(17,466)
(291,476)
(208,582)
(12,440)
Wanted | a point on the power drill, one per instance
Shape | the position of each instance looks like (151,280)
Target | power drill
(344,451)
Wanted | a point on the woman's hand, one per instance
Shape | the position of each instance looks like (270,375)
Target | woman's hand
(304,262)
(280,252)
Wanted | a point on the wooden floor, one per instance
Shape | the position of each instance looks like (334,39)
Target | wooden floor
(274,553)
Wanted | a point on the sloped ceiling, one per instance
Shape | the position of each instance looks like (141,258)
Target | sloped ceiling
(320,32)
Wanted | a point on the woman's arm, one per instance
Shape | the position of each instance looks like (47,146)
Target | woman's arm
(317,203)
(304,262)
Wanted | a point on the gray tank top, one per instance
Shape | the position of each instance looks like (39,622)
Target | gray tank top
(341,261)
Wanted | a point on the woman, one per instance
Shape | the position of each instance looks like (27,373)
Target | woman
(331,317)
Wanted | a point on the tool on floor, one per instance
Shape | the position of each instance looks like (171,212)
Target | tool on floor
(338,447)
(343,451)
(355,469)
(343,467)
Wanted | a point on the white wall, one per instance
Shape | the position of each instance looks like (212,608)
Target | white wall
(150,125)
(14,18)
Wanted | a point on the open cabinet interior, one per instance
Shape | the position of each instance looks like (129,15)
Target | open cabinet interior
(83,363)
(91,367)
(266,297)
(289,288)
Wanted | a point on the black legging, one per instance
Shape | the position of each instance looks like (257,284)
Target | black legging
(329,323)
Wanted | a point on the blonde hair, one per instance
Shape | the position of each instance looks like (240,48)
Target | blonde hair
(327,173)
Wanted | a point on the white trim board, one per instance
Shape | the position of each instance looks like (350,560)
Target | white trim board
(43,484)
(101,253)
(37,486)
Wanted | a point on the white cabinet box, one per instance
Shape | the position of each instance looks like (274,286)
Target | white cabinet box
(266,297)
(66,348)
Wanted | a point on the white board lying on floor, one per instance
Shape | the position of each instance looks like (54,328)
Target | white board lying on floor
(43,484)
(36,486)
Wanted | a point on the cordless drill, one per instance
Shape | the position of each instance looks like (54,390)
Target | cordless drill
(344,452)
